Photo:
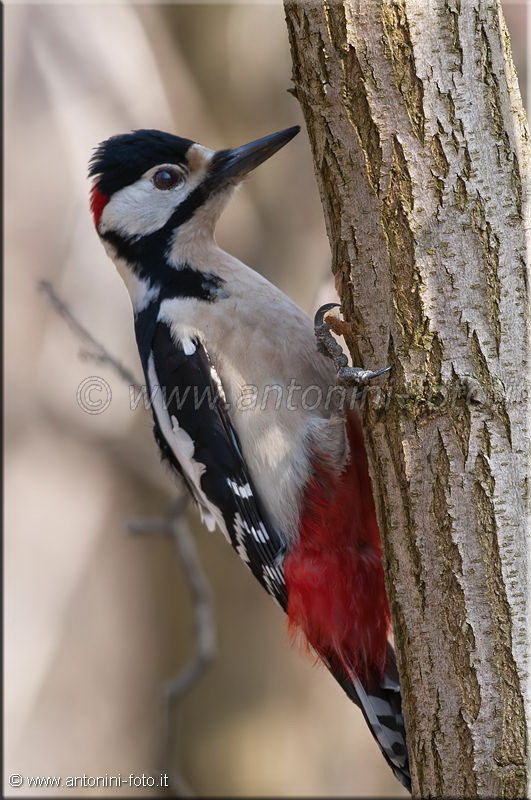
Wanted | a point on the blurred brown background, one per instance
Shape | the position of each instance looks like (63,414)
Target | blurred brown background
(95,618)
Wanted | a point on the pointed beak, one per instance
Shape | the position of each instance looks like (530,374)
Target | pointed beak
(230,165)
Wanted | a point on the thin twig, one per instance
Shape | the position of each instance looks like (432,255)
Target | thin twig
(172,524)
(97,351)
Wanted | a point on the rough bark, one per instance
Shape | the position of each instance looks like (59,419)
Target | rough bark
(421,155)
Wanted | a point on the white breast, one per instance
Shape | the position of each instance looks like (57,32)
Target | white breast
(262,344)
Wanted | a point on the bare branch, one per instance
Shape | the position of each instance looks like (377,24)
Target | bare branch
(173,524)
(97,351)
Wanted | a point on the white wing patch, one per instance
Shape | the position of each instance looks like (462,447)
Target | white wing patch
(208,520)
(183,448)
(273,581)
(217,381)
(188,346)
(241,491)
(184,451)
(274,573)
(213,466)
(260,533)
(241,529)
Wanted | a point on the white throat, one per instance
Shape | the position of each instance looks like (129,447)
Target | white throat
(195,239)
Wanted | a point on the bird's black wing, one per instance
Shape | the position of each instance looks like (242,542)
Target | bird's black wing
(195,434)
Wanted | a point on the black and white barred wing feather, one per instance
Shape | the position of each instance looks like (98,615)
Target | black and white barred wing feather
(195,433)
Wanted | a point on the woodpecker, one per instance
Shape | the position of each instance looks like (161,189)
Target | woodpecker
(227,359)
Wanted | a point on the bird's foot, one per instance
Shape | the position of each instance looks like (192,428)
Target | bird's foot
(351,377)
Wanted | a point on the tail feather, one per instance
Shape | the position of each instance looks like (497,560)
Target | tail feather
(336,594)
(381,705)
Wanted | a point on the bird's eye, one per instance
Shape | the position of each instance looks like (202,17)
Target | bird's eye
(167,178)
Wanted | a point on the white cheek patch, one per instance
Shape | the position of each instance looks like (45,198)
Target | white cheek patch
(140,209)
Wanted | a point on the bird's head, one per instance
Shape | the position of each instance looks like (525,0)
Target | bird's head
(148,183)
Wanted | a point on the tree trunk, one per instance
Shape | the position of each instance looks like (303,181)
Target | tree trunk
(421,155)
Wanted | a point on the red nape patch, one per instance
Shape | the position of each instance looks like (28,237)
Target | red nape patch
(334,574)
(98,201)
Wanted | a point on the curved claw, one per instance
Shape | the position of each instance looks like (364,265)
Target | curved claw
(359,378)
(329,347)
(382,371)
(320,313)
